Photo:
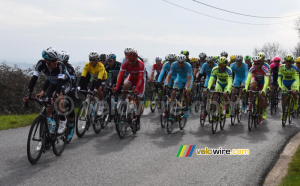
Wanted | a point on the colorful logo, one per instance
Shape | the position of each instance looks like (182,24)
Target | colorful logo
(189,152)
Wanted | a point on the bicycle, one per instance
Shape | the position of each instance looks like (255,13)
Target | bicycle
(217,116)
(110,109)
(253,113)
(165,111)
(237,107)
(274,99)
(86,115)
(155,97)
(126,114)
(177,109)
(288,108)
(39,132)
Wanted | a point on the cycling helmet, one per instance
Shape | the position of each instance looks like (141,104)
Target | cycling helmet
(172,56)
(209,59)
(272,60)
(93,56)
(202,55)
(276,58)
(256,59)
(158,58)
(103,57)
(222,61)
(298,60)
(132,55)
(63,56)
(181,58)
(128,49)
(185,52)
(194,60)
(239,57)
(111,56)
(50,54)
(288,57)
(224,54)
(261,55)
(232,58)
(167,58)
(216,58)
(247,57)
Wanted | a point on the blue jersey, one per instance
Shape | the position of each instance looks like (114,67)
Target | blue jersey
(241,73)
(182,73)
(165,70)
(205,68)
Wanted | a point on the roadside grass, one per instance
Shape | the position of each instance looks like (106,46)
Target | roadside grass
(293,176)
(16,121)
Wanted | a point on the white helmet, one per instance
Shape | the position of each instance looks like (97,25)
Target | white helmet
(63,56)
(209,58)
(256,58)
(167,58)
(50,54)
(128,49)
(172,56)
(94,56)
(181,58)
(239,58)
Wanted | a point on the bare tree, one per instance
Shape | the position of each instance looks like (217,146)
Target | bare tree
(296,50)
(297,26)
(271,50)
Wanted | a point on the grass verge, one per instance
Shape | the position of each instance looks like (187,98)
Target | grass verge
(293,176)
(15,121)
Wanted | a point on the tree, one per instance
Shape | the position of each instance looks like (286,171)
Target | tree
(296,50)
(271,50)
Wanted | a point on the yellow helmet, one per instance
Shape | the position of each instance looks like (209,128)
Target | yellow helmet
(194,59)
(232,58)
(261,55)
(222,61)
(289,57)
(298,60)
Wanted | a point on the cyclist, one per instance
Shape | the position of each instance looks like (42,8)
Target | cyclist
(202,57)
(216,58)
(195,66)
(288,79)
(298,62)
(156,67)
(206,68)
(166,69)
(99,75)
(103,59)
(248,61)
(240,70)
(232,59)
(222,74)
(274,73)
(224,54)
(258,78)
(263,56)
(113,68)
(184,75)
(186,53)
(136,78)
(60,84)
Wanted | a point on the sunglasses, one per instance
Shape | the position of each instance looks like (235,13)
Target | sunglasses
(288,62)
(102,60)
(256,64)
(276,61)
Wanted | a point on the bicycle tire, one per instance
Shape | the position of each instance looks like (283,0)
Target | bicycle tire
(97,125)
(285,112)
(291,108)
(170,126)
(36,123)
(55,143)
(121,125)
(78,132)
(222,118)
(250,120)
(214,124)
(153,106)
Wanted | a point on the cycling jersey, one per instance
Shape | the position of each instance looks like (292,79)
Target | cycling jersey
(181,74)
(205,68)
(267,65)
(56,76)
(97,72)
(165,70)
(157,68)
(224,79)
(274,69)
(113,72)
(260,76)
(288,78)
(136,76)
(240,74)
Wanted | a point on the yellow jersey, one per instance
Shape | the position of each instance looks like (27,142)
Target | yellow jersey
(97,72)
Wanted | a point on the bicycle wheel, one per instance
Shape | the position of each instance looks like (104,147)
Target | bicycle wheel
(202,120)
(285,112)
(35,137)
(291,111)
(97,125)
(81,121)
(239,112)
(153,101)
(250,120)
(222,117)
(170,126)
(214,124)
(59,140)
(121,125)
(182,123)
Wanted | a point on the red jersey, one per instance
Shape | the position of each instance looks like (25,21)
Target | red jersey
(259,74)
(157,68)
(136,73)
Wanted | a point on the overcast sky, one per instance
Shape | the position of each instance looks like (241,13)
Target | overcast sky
(153,27)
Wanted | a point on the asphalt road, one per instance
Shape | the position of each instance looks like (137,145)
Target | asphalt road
(149,157)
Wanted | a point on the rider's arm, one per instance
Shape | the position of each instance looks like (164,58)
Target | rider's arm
(162,73)
(297,78)
(212,78)
(140,82)
(83,75)
(121,76)
(46,85)
(249,76)
(229,85)
(246,74)
(266,84)
(35,76)
(61,77)
(102,73)
(279,79)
